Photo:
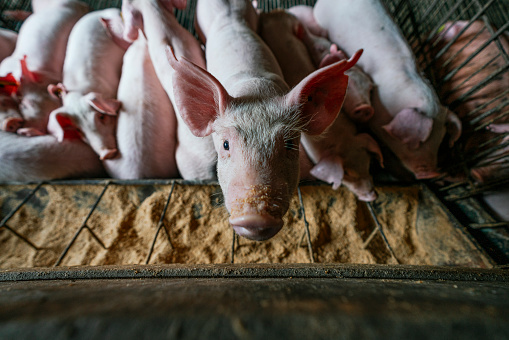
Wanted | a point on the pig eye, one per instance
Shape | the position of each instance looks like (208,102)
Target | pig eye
(226,145)
(102,116)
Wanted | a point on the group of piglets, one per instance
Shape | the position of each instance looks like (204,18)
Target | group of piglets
(261,100)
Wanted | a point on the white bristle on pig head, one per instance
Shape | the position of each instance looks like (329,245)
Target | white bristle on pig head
(259,136)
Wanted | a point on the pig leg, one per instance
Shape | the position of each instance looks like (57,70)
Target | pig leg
(29,132)
(12,124)
(498,128)
(305,15)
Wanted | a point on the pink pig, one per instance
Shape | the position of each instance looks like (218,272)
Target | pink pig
(195,156)
(42,158)
(340,155)
(91,76)
(253,117)
(408,117)
(469,60)
(146,130)
(38,59)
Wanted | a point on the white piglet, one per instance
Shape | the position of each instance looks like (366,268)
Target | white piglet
(38,60)
(91,77)
(255,120)
(146,128)
(195,156)
(408,117)
(340,155)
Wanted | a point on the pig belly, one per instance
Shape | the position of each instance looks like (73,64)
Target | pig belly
(44,158)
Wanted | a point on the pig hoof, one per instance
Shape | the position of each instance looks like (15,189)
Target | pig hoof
(369,197)
(256,227)
(12,124)
(108,154)
(29,132)
(427,174)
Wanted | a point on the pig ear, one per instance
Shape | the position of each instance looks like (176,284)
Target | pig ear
(132,19)
(9,85)
(330,170)
(62,127)
(372,146)
(410,126)
(26,74)
(320,95)
(105,106)
(58,91)
(199,96)
(453,126)
(115,29)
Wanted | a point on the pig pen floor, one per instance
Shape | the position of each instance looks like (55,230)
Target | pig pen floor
(417,228)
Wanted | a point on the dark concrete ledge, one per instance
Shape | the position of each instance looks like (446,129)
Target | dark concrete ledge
(358,271)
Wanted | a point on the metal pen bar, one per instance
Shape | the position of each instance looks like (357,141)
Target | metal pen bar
(160,225)
(3,224)
(489,112)
(84,226)
(481,107)
(493,120)
(479,86)
(493,161)
(477,190)
(453,41)
(21,237)
(379,227)
(28,197)
(370,238)
(234,237)
(472,75)
(451,58)
(476,156)
(306,224)
(442,22)
(489,225)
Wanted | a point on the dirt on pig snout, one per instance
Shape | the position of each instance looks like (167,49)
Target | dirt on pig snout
(126,219)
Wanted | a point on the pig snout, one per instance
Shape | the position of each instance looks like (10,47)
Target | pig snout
(12,124)
(360,113)
(368,196)
(257,215)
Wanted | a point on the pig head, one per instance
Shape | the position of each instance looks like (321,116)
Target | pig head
(35,103)
(345,160)
(257,138)
(414,137)
(89,117)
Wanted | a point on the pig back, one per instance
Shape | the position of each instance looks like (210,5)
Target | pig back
(146,130)
(93,61)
